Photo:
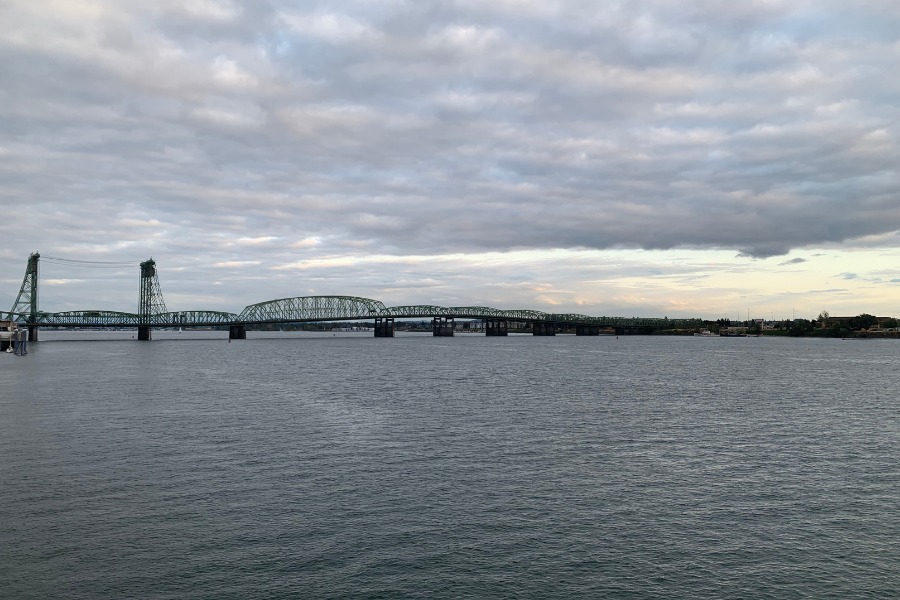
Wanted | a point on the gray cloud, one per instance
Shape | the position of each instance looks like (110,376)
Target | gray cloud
(229,132)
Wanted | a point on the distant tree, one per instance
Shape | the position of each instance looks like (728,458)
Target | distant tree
(823,318)
(836,330)
(863,321)
(801,327)
(889,323)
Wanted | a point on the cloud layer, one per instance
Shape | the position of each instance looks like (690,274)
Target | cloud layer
(244,136)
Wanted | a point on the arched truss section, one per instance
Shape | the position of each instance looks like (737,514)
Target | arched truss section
(463,312)
(486,312)
(475,312)
(525,315)
(193,318)
(311,308)
(572,318)
(88,318)
(424,310)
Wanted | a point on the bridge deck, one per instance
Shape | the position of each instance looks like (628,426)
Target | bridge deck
(310,309)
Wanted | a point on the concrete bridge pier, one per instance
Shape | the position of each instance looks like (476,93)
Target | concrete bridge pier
(237,332)
(384,326)
(543,328)
(144,333)
(495,327)
(32,333)
(587,330)
(442,327)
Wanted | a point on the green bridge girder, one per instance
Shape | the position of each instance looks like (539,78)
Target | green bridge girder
(13,316)
(311,308)
(111,318)
(153,312)
(182,318)
(328,308)
(87,318)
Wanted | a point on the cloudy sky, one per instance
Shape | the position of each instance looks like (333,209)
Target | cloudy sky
(649,157)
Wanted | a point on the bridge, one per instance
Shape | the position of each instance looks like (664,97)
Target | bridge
(153,313)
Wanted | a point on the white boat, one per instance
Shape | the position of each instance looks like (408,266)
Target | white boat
(704,333)
(8,330)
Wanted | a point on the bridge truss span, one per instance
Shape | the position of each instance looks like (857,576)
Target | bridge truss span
(524,315)
(568,318)
(87,318)
(463,312)
(311,308)
(193,318)
(153,313)
(412,311)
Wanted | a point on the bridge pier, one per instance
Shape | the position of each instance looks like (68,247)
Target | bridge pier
(32,333)
(237,332)
(442,327)
(587,330)
(496,327)
(144,334)
(384,326)
(543,328)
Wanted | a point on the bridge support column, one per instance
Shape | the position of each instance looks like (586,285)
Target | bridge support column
(384,326)
(144,333)
(442,327)
(32,333)
(496,327)
(544,328)
(587,330)
(237,332)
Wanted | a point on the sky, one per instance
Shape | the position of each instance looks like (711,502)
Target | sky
(644,158)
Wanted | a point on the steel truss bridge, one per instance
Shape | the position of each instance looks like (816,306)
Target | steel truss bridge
(305,309)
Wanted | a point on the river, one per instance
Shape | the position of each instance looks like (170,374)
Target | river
(344,466)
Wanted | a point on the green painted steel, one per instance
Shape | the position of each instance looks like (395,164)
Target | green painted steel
(13,316)
(413,311)
(312,308)
(151,301)
(111,318)
(88,318)
(152,311)
(27,300)
(330,308)
(194,318)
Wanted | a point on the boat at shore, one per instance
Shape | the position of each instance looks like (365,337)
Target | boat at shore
(704,333)
(8,332)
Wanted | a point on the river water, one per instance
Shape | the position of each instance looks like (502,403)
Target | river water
(344,466)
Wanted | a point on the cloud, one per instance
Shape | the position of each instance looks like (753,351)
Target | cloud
(793,261)
(252,136)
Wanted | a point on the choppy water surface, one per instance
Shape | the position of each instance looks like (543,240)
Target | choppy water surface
(466,467)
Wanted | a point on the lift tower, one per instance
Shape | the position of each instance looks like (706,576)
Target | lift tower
(27,300)
(151,301)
